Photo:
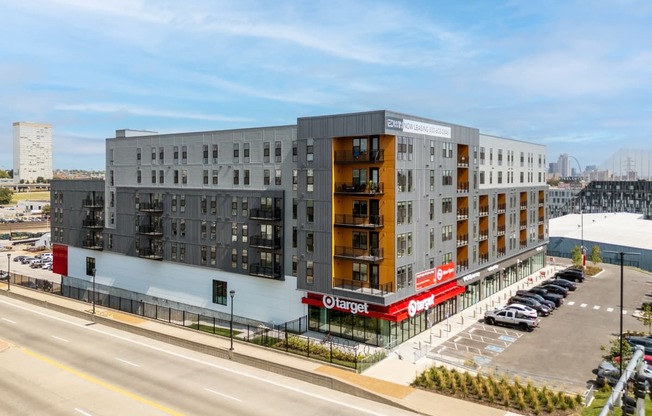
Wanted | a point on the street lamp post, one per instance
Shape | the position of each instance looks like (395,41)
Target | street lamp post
(622,255)
(232,293)
(93,290)
(579,198)
(8,272)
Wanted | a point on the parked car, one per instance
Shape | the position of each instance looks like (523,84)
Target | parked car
(4,276)
(546,294)
(561,282)
(47,265)
(35,264)
(526,310)
(26,260)
(19,258)
(573,275)
(550,304)
(645,342)
(532,303)
(511,317)
(560,290)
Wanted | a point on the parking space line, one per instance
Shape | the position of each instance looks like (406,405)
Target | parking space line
(457,339)
(610,309)
(596,307)
(583,305)
(571,303)
(471,330)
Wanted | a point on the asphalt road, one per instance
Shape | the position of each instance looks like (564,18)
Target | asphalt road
(61,365)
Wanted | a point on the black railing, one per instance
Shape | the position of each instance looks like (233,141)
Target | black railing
(271,272)
(371,188)
(150,229)
(265,214)
(93,203)
(266,243)
(370,221)
(362,254)
(93,223)
(359,286)
(150,206)
(353,156)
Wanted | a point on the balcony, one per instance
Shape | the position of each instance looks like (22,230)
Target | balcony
(358,286)
(462,214)
(97,203)
(370,221)
(523,225)
(462,240)
(501,208)
(266,214)
(265,243)
(523,207)
(154,207)
(501,230)
(462,162)
(356,156)
(151,253)
(93,243)
(502,252)
(462,265)
(268,272)
(359,254)
(349,188)
(92,223)
(150,230)
(462,187)
(483,236)
(483,258)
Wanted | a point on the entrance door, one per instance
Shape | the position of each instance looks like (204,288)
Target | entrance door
(374,211)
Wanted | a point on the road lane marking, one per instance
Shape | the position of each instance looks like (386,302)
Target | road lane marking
(583,305)
(127,362)
(471,330)
(59,338)
(610,309)
(82,412)
(596,307)
(457,339)
(279,385)
(9,320)
(223,395)
(571,303)
(624,312)
(100,383)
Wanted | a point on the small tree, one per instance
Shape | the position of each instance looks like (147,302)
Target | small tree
(646,317)
(613,350)
(6,195)
(576,256)
(596,255)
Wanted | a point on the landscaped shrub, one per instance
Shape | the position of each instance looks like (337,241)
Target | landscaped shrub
(513,395)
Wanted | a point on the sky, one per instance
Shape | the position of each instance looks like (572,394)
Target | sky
(575,76)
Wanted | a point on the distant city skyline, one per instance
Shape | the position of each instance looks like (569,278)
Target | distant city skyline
(573,76)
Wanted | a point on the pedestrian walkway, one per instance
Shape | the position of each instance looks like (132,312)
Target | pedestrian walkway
(388,381)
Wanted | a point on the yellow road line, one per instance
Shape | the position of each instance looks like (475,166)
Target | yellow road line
(102,383)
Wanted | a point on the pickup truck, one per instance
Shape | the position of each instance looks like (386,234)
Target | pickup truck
(511,318)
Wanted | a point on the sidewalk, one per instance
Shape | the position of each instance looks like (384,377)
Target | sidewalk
(387,382)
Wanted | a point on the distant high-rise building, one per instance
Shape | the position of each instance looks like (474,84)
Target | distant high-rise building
(32,151)
(564,166)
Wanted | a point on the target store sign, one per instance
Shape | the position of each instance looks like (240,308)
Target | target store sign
(431,277)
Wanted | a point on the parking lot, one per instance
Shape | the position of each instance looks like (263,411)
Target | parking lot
(565,348)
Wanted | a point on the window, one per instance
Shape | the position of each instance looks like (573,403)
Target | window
(184,176)
(234,206)
(447,150)
(176,176)
(446,233)
(153,176)
(182,252)
(161,155)
(176,155)
(245,233)
(246,176)
(277,178)
(236,177)
(310,148)
(277,152)
(266,152)
(204,229)
(213,205)
(161,176)
(360,272)
(246,153)
(295,151)
(310,241)
(215,180)
(310,272)
(244,260)
(310,183)
(234,258)
(174,203)
(182,203)
(205,176)
(205,153)
(184,154)
(432,180)
(446,205)
(204,204)
(138,176)
(153,155)
(213,255)
(182,227)
(360,240)
(447,177)
(214,153)
(90,266)
(266,177)
(236,153)
(432,238)
(138,156)
(219,292)
(401,211)
(432,150)
(310,210)
(401,277)
(204,255)
(295,265)
(294,237)
(213,230)
(482,155)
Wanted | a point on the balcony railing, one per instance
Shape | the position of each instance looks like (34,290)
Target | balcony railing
(150,230)
(370,188)
(269,272)
(363,287)
(93,243)
(93,203)
(502,208)
(462,162)
(366,221)
(360,254)
(462,213)
(501,230)
(151,253)
(355,156)
(265,214)
(523,225)
(483,236)
(265,243)
(462,240)
(523,207)
(484,258)
(93,223)
(462,265)
(150,207)
(463,187)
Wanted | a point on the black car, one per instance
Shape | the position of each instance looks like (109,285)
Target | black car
(573,275)
(560,290)
(557,298)
(645,342)
(525,293)
(542,310)
(561,282)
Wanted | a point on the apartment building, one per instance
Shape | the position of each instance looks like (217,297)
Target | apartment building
(375,225)
(32,151)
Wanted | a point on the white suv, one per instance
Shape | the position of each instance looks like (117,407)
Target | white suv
(522,308)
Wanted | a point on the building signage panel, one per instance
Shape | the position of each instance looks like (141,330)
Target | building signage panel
(439,274)
(419,305)
(331,302)
(418,127)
